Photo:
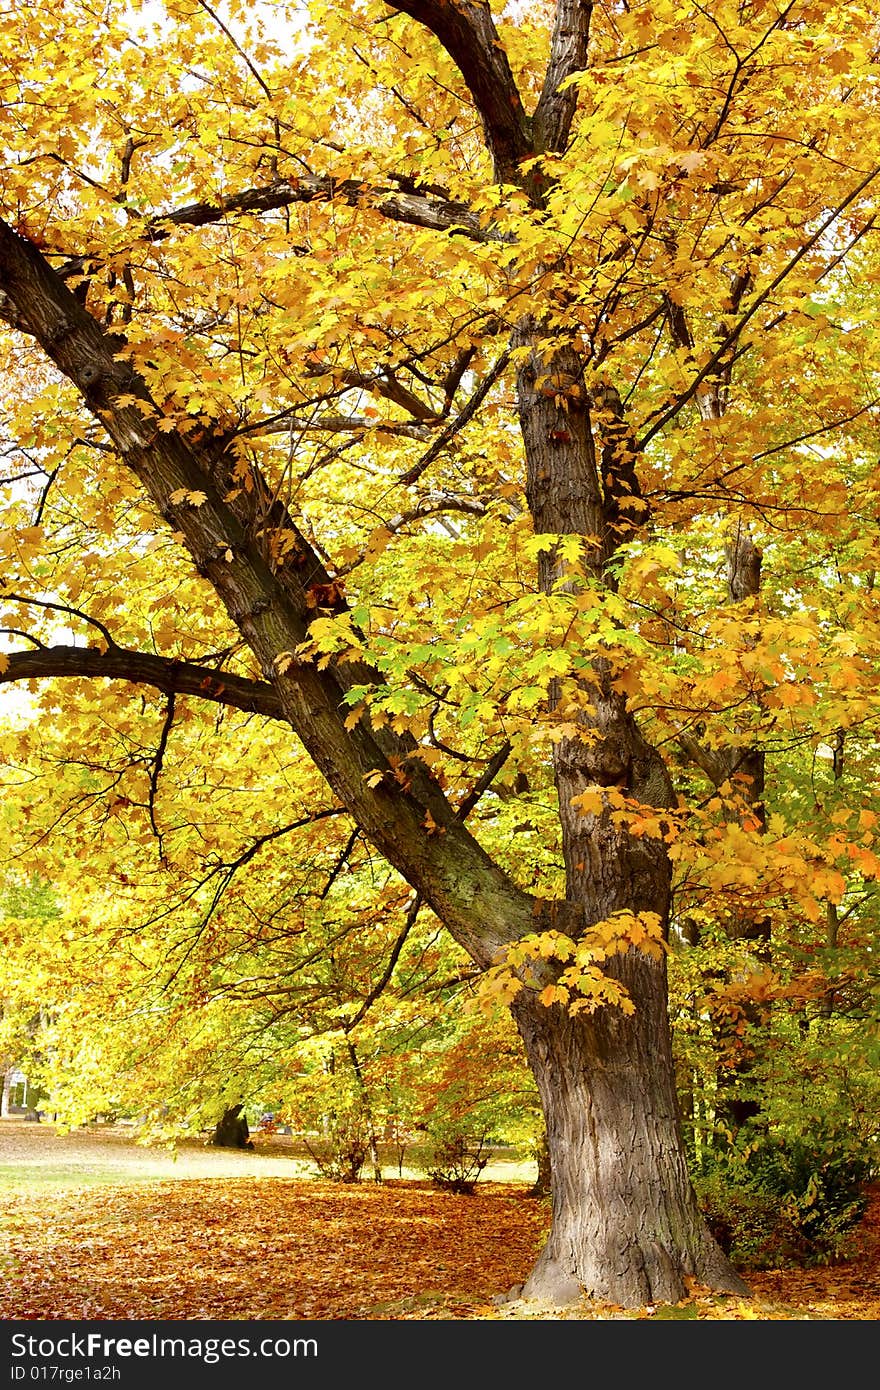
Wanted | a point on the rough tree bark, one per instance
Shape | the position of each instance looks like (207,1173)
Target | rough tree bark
(626,1224)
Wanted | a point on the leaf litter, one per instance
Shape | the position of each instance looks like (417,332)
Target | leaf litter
(263,1248)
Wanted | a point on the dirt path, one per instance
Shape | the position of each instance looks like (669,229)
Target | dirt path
(36,1152)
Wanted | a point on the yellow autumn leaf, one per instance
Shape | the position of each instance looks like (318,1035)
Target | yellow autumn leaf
(553,994)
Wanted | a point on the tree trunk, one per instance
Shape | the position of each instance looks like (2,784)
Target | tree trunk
(541,1186)
(626,1225)
(231,1130)
(367,1111)
(744,766)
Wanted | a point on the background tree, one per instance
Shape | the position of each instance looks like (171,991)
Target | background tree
(28,909)
(395,378)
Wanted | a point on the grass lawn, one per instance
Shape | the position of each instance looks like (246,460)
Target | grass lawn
(37,1155)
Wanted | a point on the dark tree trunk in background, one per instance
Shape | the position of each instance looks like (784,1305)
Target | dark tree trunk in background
(231,1130)
(541,1186)
(741,766)
(745,767)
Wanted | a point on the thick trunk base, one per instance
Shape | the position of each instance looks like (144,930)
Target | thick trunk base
(626,1228)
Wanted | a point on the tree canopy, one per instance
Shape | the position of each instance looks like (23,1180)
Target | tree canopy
(440,535)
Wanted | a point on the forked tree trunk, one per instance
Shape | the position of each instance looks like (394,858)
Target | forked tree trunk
(625,1222)
(626,1225)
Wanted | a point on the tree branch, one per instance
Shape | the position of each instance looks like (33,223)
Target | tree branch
(379,987)
(434,212)
(465,414)
(704,758)
(381,383)
(229,870)
(156,769)
(467,32)
(480,786)
(286,422)
(485,780)
(415,829)
(142,668)
(568,54)
(709,367)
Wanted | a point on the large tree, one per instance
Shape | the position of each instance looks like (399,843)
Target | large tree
(458,348)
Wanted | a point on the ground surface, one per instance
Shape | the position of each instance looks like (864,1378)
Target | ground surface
(95,1227)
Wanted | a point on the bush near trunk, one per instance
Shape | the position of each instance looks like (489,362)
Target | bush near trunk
(784,1203)
(341,1152)
(456,1156)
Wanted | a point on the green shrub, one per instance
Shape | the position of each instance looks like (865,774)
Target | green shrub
(783,1203)
(822,1192)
